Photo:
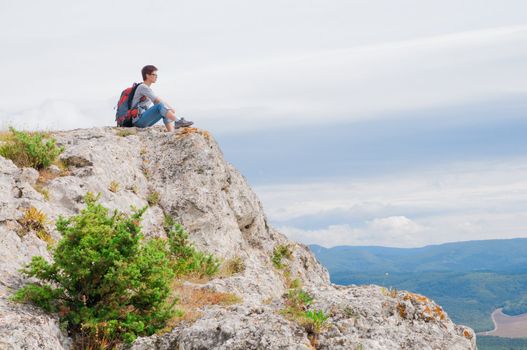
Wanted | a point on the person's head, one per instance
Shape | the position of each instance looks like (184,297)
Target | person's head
(149,73)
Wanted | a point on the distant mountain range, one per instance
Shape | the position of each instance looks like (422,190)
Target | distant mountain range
(469,279)
(499,255)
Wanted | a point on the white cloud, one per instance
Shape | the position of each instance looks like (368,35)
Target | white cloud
(361,82)
(396,224)
(59,114)
(396,231)
(452,202)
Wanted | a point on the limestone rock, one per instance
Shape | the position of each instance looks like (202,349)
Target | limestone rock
(28,175)
(242,327)
(23,327)
(193,183)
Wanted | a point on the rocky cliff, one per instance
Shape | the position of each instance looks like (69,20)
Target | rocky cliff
(224,217)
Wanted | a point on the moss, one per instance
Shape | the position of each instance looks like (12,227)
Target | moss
(125,132)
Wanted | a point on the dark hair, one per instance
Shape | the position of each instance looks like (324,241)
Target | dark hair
(148,70)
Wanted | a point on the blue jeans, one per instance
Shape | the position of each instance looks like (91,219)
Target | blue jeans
(152,115)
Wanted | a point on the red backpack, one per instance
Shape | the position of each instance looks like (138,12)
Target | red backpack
(126,113)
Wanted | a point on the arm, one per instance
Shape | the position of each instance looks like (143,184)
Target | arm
(158,100)
(147,91)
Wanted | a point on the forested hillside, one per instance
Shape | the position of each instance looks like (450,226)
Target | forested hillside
(469,279)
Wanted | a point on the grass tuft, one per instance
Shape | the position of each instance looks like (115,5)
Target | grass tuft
(233,266)
(33,220)
(190,300)
(134,189)
(46,237)
(153,198)
(114,187)
(279,253)
(297,304)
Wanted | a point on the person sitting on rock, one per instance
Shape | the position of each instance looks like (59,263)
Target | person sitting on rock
(151,107)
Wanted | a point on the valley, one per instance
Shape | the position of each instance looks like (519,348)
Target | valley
(478,283)
(508,326)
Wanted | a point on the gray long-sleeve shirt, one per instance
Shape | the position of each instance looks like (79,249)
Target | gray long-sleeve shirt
(144,90)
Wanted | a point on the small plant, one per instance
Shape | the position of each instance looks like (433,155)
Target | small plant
(134,189)
(304,298)
(169,223)
(33,220)
(198,264)
(145,171)
(114,187)
(153,198)
(30,149)
(313,322)
(179,243)
(280,252)
(187,259)
(234,266)
(267,301)
(349,312)
(295,284)
(46,237)
(298,299)
(316,320)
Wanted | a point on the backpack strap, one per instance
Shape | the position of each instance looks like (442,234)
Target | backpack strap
(132,93)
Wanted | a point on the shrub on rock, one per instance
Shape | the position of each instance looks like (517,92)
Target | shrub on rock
(106,283)
(30,149)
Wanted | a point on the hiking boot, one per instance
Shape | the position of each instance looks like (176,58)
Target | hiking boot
(182,123)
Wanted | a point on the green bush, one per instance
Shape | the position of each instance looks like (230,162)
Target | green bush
(187,260)
(106,282)
(30,149)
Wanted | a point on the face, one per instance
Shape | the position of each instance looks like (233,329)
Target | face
(152,77)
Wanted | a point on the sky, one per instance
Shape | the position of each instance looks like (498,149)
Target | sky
(394,123)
